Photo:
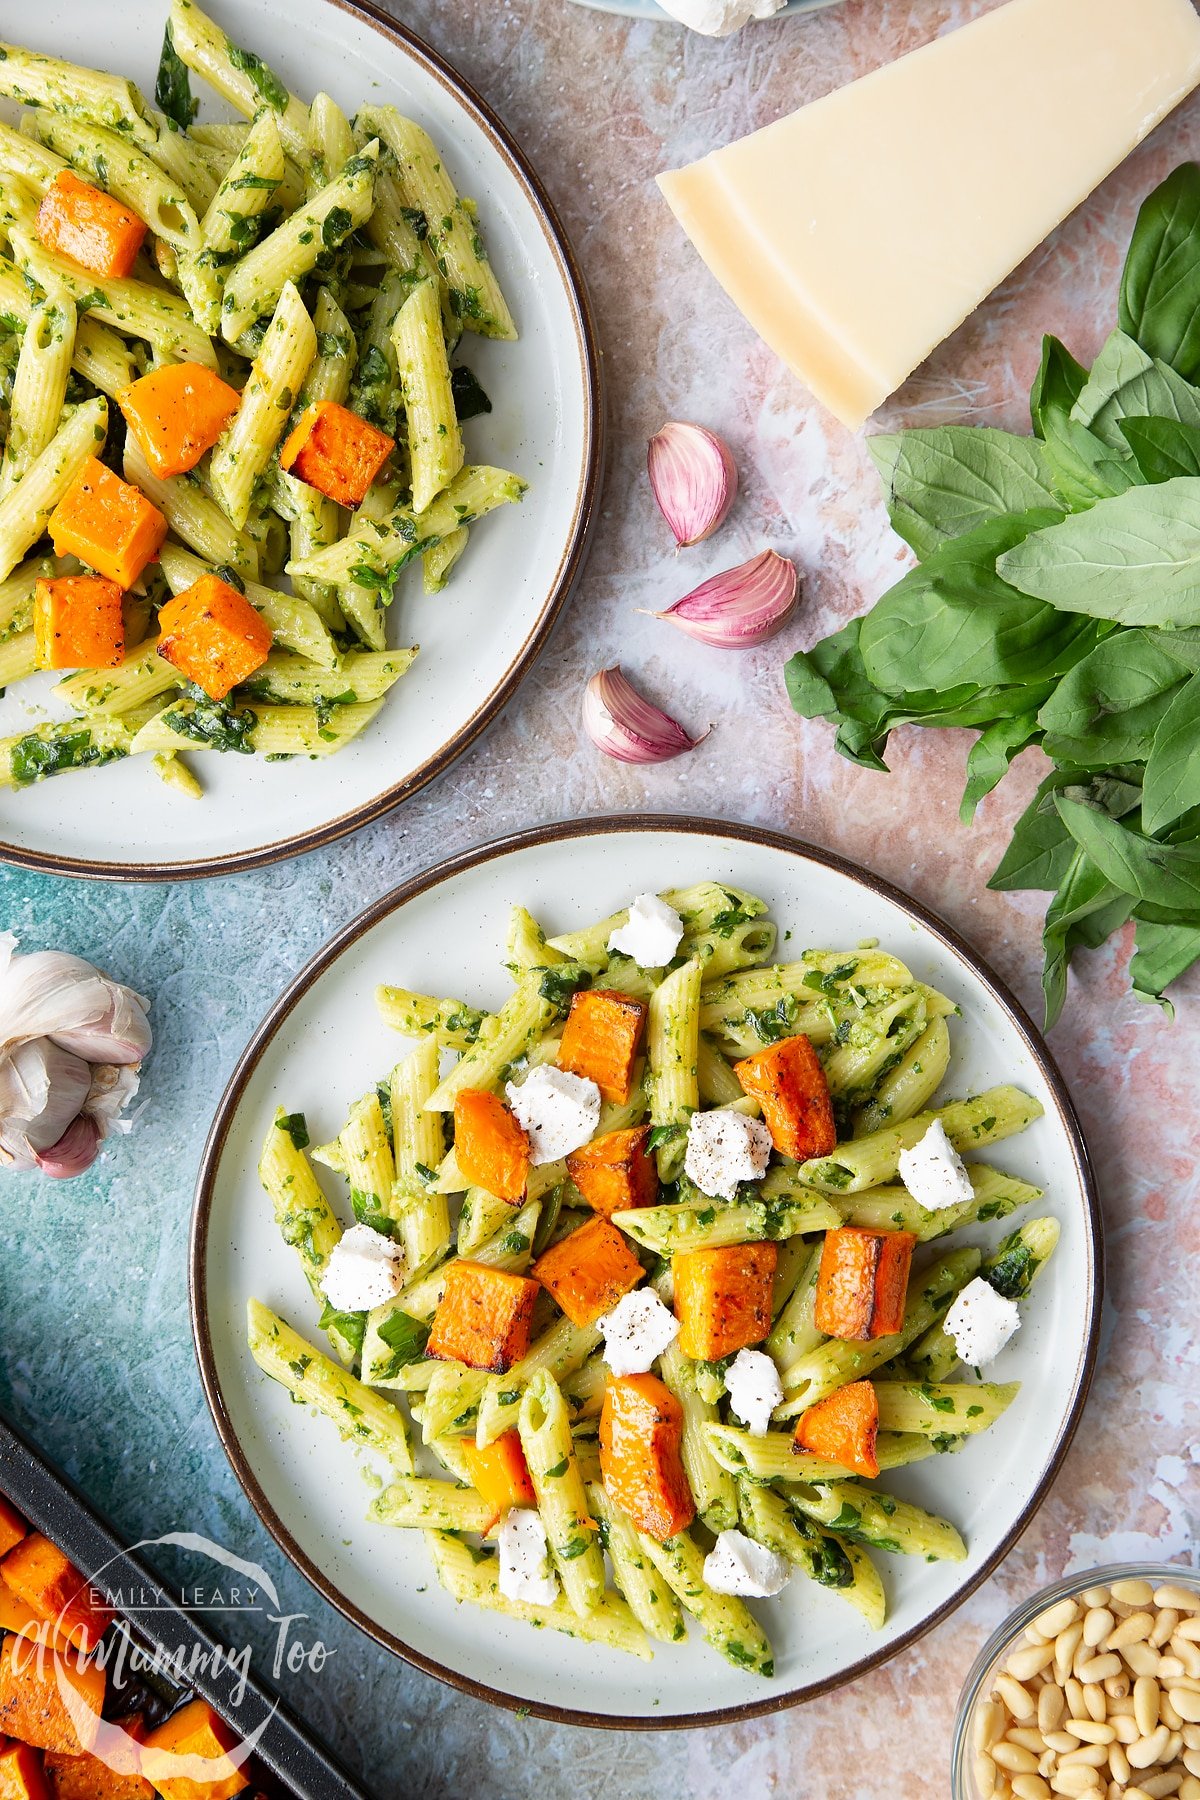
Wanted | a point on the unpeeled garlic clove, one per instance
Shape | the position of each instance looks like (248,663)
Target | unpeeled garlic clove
(42,1090)
(624,725)
(61,997)
(740,606)
(694,478)
(75,1151)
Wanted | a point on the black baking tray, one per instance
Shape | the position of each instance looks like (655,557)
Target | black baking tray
(288,1759)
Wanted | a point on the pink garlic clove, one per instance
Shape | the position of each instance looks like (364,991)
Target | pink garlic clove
(740,606)
(625,726)
(694,478)
(74,1152)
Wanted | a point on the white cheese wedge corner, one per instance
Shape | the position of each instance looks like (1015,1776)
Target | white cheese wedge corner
(651,933)
(981,1321)
(934,1173)
(737,1565)
(364,1270)
(754,1389)
(556,1110)
(637,1331)
(525,1572)
(858,232)
(724,1148)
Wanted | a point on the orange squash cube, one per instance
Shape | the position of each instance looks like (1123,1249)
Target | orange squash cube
(601,1039)
(195,1730)
(499,1472)
(12,1526)
(588,1271)
(108,524)
(723,1299)
(335,451)
(616,1172)
(490,1146)
(862,1283)
(32,1707)
(77,622)
(37,1572)
(844,1427)
(176,413)
(484,1317)
(641,1461)
(789,1083)
(213,635)
(89,226)
(110,1774)
(21,1776)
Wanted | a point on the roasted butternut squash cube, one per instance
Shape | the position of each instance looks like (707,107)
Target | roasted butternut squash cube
(601,1039)
(213,635)
(641,1459)
(789,1083)
(195,1730)
(336,451)
(588,1271)
(484,1318)
(21,1775)
(88,226)
(862,1283)
(177,413)
(616,1172)
(491,1149)
(86,1777)
(499,1472)
(38,1573)
(78,622)
(844,1427)
(723,1299)
(32,1707)
(12,1526)
(108,524)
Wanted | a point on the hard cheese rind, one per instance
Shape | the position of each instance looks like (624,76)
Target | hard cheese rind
(860,231)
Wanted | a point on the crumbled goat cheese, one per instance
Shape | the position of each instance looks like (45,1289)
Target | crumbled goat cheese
(723,1148)
(981,1321)
(737,1565)
(525,1572)
(754,1389)
(934,1173)
(650,935)
(364,1270)
(637,1330)
(556,1110)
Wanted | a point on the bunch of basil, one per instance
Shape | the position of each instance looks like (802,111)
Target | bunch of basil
(1057,602)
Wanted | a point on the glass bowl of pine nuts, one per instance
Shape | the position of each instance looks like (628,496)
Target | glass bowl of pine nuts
(1091,1689)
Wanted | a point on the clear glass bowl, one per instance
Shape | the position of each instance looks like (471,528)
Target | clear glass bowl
(1001,1643)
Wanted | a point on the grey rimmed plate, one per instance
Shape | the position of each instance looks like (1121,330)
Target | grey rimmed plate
(322,1045)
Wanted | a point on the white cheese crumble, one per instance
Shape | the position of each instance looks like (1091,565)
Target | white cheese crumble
(717,18)
(737,1565)
(650,935)
(525,1572)
(723,1148)
(981,1321)
(637,1330)
(934,1173)
(754,1389)
(556,1110)
(364,1269)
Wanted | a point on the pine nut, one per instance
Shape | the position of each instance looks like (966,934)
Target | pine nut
(1076,1704)
(1030,1787)
(1096,1701)
(1167,1712)
(1117,1687)
(1056,1618)
(1015,1697)
(1136,1793)
(1065,1646)
(1145,1705)
(1075,1781)
(1187,1651)
(988,1724)
(1157,1786)
(1096,1626)
(1025,1664)
(1185,1599)
(1132,1630)
(1189,1788)
(1149,1750)
(1169,1668)
(1191,1762)
(1090,1731)
(1164,1625)
(1050,1707)
(985,1776)
(1095,1596)
(1125,1726)
(1013,1757)
(1118,1763)
(1098,1667)
(1190,1629)
(1174,1746)
(1133,1593)
(1028,1736)
(1142,1659)
(1060,1741)
(1191,1736)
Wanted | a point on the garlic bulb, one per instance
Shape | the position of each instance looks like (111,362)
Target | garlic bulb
(71,1043)
(740,606)
(694,478)
(626,726)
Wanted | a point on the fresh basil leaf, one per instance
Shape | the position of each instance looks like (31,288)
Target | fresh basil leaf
(1058,384)
(173,85)
(1082,469)
(1108,707)
(348,1325)
(1162,953)
(1172,781)
(264,79)
(1126,381)
(468,396)
(991,755)
(1084,895)
(941,483)
(1160,285)
(1041,848)
(1160,874)
(1163,448)
(296,1126)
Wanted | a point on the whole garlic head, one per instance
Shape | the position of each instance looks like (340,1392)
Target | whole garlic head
(718,18)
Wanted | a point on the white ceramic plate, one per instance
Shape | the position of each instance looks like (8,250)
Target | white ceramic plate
(322,1046)
(646,9)
(479,636)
